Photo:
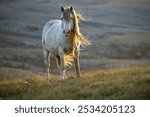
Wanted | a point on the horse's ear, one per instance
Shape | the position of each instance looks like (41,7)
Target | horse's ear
(71,8)
(62,8)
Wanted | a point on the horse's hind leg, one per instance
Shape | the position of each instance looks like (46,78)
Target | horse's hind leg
(47,63)
(57,58)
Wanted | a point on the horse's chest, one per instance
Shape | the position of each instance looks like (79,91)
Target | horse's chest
(68,50)
(68,47)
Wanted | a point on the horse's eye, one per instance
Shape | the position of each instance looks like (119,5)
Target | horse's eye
(71,17)
(61,18)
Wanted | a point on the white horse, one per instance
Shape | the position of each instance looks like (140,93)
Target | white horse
(62,38)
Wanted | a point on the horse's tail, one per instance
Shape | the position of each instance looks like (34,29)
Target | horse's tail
(68,59)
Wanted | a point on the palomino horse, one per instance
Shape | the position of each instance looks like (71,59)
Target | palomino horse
(62,38)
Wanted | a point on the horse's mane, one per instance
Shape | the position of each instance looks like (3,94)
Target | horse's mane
(77,35)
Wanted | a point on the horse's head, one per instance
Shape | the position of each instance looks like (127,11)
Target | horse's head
(67,20)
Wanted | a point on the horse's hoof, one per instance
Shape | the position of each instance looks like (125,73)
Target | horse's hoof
(62,78)
(47,78)
(78,76)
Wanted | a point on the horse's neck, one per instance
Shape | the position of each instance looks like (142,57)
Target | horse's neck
(69,40)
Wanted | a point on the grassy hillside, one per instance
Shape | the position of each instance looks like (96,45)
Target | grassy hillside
(119,83)
(119,31)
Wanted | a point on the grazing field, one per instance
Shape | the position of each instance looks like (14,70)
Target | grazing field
(115,66)
(119,83)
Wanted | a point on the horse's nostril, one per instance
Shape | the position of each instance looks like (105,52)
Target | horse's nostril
(68,32)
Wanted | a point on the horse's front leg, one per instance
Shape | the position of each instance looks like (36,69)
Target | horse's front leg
(47,63)
(76,62)
(62,64)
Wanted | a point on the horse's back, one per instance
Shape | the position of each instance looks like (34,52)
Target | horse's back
(49,25)
(51,35)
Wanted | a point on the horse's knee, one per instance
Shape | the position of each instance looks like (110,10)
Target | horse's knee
(62,68)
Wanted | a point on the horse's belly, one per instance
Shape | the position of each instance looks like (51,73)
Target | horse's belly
(52,47)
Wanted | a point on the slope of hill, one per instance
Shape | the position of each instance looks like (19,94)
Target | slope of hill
(120,83)
(111,66)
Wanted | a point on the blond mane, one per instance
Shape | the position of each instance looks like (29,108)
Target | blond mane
(77,35)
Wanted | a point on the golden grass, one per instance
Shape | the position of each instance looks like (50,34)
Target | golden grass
(119,83)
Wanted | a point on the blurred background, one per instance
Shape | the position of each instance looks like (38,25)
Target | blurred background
(118,29)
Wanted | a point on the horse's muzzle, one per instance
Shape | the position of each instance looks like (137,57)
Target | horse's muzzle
(67,33)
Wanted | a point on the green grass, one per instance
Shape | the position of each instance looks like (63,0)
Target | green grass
(119,83)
